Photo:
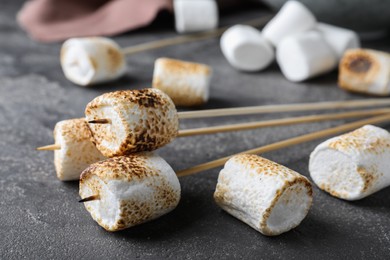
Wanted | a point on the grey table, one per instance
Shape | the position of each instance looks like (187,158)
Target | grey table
(41,219)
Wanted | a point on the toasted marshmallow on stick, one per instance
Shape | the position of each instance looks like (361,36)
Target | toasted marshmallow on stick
(304,56)
(129,190)
(292,18)
(339,39)
(186,83)
(265,195)
(88,61)
(354,165)
(194,16)
(76,150)
(136,120)
(365,71)
(246,49)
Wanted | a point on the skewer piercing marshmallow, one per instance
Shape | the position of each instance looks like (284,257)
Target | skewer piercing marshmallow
(292,18)
(88,61)
(265,195)
(304,56)
(130,190)
(186,83)
(365,71)
(138,120)
(76,151)
(246,49)
(354,165)
(339,39)
(194,16)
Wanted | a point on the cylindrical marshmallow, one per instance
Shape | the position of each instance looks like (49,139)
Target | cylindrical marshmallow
(77,150)
(186,83)
(339,39)
(304,56)
(267,196)
(194,16)
(292,18)
(246,49)
(354,165)
(131,190)
(365,71)
(139,120)
(88,61)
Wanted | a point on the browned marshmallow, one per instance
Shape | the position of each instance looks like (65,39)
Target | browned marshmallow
(139,120)
(77,150)
(187,83)
(365,71)
(130,190)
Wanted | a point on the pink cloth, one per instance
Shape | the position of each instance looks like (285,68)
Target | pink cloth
(56,20)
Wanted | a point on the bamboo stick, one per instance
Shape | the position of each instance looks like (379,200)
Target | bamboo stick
(50,147)
(288,142)
(280,122)
(284,108)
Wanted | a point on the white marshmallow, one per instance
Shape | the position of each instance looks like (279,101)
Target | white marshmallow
(304,56)
(246,49)
(139,120)
(265,195)
(292,18)
(339,39)
(88,61)
(186,83)
(354,165)
(131,190)
(194,16)
(77,150)
(365,71)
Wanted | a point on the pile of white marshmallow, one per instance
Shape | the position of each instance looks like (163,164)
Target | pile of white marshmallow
(303,47)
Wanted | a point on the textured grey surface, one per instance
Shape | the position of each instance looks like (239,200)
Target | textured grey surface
(41,219)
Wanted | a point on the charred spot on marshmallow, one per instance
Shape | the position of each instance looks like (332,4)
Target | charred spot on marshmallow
(141,120)
(115,58)
(360,64)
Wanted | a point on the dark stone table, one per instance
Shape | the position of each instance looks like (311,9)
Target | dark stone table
(41,219)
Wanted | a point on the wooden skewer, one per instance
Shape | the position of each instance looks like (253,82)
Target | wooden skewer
(284,108)
(189,37)
(288,142)
(50,147)
(90,198)
(280,122)
(100,121)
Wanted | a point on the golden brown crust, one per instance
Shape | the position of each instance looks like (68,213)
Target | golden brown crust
(156,131)
(74,129)
(183,94)
(357,140)
(132,167)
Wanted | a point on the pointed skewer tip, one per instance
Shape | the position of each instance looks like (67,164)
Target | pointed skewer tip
(99,121)
(90,198)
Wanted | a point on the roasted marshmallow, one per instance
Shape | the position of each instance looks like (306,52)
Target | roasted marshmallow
(138,120)
(186,83)
(265,195)
(365,71)
(194,16)
(354,165)
(77,151)
(246,49)
(292,18)
(129,190)
(339,39)
(88,61)
(303,56)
